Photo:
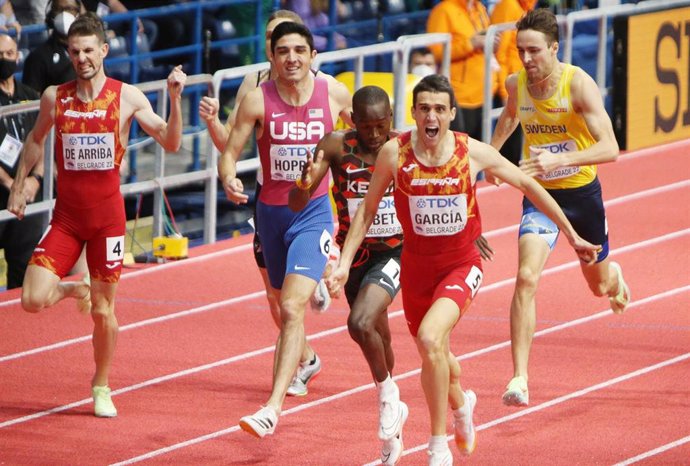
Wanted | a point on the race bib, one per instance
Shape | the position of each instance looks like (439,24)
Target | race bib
(385,222)
(115,248)
(558,148)
(438,215)
(474,279)
(287,160)
(9,150)
(88,151)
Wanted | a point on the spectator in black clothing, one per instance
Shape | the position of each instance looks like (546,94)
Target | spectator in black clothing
(49,63)
(17,237)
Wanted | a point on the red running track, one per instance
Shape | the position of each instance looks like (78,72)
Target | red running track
(195,354)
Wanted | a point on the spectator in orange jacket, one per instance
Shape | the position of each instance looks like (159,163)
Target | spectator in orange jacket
(466,21)
(509,11)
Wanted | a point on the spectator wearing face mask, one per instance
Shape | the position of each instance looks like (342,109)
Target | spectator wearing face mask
(422,62)
(49,63)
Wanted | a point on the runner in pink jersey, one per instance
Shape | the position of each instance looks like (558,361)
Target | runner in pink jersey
(296,245)
(92,118)
(435,172)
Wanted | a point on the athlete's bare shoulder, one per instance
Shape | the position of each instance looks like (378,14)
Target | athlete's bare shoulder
(332,145)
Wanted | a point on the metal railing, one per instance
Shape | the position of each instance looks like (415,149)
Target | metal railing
(160,180)
(568,22)
(400,52)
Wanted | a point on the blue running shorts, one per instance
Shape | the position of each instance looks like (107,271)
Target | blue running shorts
(583,207)
(295,242)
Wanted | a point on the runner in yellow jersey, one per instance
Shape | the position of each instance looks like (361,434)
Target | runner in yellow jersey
(567,132)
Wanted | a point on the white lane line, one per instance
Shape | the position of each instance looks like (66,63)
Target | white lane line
(166,265)
(656,451)
(311,404)
(489,234)
(560,399)
(212,306)
(141,323)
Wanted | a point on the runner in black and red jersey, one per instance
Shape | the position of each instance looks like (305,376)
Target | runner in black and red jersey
(92,117)
(374,278)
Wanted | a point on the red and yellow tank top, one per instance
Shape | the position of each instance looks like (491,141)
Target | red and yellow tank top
(88,151)
(436,206)
(289,134)
(351,182)
(554,125)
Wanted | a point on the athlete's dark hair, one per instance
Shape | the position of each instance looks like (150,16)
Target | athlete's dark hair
(88,24)
(541,20)
(289,27)
(435,83)
(369,95)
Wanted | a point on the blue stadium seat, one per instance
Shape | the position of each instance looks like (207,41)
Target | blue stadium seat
(118,48)
(227,55)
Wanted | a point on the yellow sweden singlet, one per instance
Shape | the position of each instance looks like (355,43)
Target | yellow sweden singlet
(554,125)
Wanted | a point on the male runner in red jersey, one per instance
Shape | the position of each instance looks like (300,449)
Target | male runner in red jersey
(92,117)
(434,171)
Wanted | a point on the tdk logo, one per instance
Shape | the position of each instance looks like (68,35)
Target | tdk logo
(437,203)
(386,203)
(87,140)
(294,151)
(557,148)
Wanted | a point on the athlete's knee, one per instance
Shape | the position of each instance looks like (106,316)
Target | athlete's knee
(527,280)
(359,326)
(291,311)
(32,305)
(103,309)
(32,301)
(431,345)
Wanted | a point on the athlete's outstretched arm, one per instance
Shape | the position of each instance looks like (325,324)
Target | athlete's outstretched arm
(508,120)
(167,134)
(209,108)
(31,157)
(486,157)
(384,174)
(327,150)
(249,113)
(586,100)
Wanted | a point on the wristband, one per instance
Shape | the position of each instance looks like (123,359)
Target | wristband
(302,186)
(38,177)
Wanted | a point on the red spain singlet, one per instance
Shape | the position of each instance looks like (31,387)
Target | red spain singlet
(89,208)
(289,134)
(438,211)
(436,206)
(88,151)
